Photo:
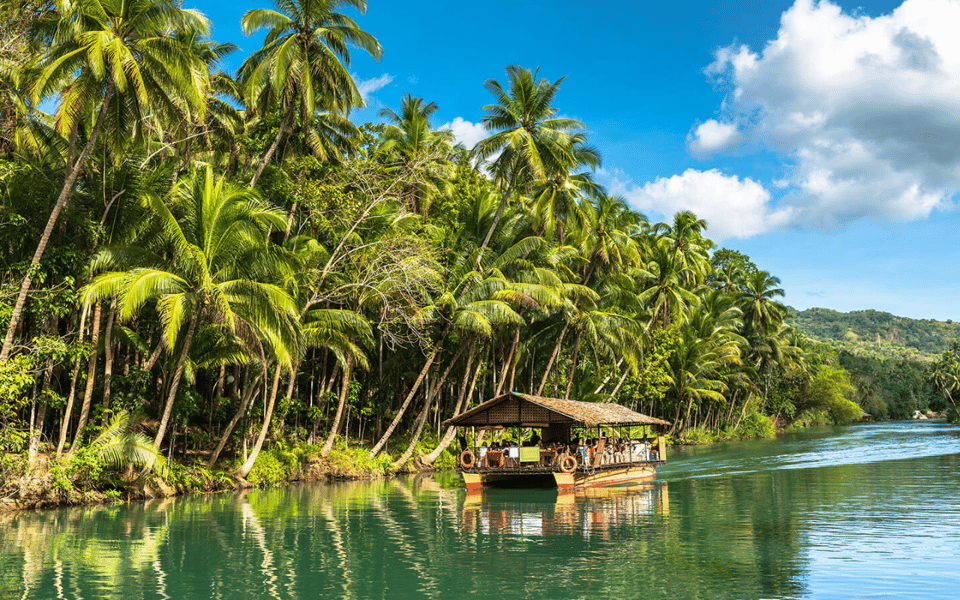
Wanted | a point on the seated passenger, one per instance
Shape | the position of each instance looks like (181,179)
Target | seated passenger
(618,451)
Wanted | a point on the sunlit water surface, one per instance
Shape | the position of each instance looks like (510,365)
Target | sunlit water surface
(869,511)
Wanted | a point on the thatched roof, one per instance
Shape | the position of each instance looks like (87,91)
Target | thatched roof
(516,409)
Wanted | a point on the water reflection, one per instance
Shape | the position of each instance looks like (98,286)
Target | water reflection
(543,514)
(83,552)
(765,527)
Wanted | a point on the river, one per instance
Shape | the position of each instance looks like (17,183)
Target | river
(866,511)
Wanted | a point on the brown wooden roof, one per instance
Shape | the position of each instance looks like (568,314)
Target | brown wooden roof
(516,409)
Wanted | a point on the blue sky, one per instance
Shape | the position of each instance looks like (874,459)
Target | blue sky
(821,139)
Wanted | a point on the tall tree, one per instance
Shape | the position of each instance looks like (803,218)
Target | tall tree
(304,63)
(528,141)
(419,150)
(219,267)
(117,58)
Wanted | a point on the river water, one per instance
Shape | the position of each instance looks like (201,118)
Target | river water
(867,511)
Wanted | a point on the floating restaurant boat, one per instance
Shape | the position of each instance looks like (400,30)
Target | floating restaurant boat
(559,459)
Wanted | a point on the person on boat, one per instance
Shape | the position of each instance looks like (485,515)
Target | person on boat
(535,439)
(636,450)
(483,454)
(640,449)
(618,451)
(609,449)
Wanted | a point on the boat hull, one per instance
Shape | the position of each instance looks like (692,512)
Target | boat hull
(613,475)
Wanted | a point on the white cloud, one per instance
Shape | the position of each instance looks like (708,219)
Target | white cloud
(712,136)
(867,109)
(465,132)
(733,208)
(367,87)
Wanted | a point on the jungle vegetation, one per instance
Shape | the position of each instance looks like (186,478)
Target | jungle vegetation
(249,275)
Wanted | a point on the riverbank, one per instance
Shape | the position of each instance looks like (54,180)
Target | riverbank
(53,482)
(83,479)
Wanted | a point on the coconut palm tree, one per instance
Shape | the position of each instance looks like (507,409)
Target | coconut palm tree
(304,63)
(691,248)
(121,58)
(528,141)
(760,311)
(945,375)
(220,267)
(665,278)
(419,150)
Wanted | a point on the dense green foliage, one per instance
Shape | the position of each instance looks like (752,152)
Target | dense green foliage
(273,277)
(891,359)
(877,334)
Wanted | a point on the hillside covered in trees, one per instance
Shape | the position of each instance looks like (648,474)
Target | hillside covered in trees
(892,360)
(876,334)
(221,276)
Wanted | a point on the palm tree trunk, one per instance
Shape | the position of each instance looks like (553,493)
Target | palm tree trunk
(61,203)
(91,377)
(65,424)
(177,375)
(462,400)
(108,358)
(616,389)
(733,401)
(418,430)
(746,403)
(430,397)
(273,147)
(513,357)
(321,395)
(416,386)
(341,406)
(686,418)
(573,365)
(154,357)
(248,395)
(497,217)
(289,395)
(553,357)
(267,417)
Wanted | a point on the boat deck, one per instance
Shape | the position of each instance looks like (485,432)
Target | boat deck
(538,469)
(535,460)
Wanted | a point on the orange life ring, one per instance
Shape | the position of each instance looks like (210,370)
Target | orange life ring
(467,459)
(568,464)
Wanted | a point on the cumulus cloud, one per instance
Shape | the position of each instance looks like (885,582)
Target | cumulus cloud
(713,136)
(732,207)
(465,132)
(867,110)
(367,87)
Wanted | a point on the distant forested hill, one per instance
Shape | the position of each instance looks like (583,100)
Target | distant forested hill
(876,334)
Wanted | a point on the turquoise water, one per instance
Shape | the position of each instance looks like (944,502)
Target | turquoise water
(869,511)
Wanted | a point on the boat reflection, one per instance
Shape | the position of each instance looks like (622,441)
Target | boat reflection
(545,513)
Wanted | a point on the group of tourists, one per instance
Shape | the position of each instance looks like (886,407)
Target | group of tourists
(615,450)
(592,452)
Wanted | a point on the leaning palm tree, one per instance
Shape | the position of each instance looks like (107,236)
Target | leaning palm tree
(344,333)
(304,63)
(120,445)
(216,264)
(122,58)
